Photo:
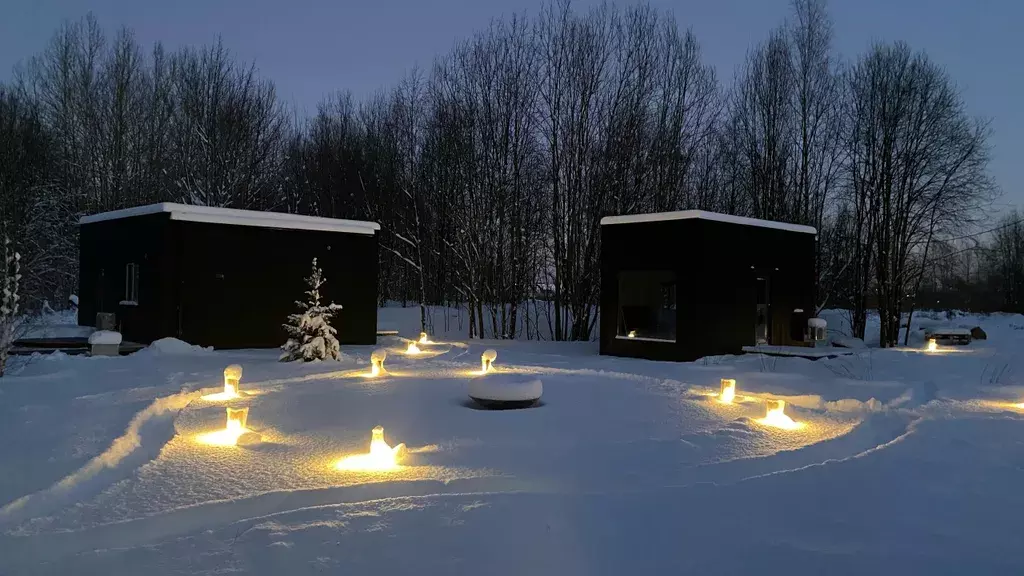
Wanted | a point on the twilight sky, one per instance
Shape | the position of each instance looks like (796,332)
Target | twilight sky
(312,48)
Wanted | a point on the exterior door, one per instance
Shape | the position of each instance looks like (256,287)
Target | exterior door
(762,319)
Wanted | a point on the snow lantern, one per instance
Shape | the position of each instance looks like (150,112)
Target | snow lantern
(423,338)
(817,331)
(377,361)
(413,349)
(728,393)
(632,334)
(933,346)
(233,429)
(232,377)
(487,360)
(776,416)
(380,457)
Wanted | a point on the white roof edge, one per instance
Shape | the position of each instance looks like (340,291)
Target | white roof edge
(703,215)
(232,216)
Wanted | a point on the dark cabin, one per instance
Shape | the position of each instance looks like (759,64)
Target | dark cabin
(222,277)
(684,285)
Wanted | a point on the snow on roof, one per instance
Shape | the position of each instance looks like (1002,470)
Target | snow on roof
(239,218)
(702,215)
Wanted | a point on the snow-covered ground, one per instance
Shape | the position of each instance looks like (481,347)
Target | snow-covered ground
(908,462)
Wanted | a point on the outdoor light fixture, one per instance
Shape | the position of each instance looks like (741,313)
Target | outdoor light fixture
(234,428)
(933,346)
(728,391)
(377,361)
(777,417)
(423,338)
(232,377)
(487,360)
(380,458)
(413,349)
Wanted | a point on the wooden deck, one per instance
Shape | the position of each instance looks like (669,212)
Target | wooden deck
(75,346)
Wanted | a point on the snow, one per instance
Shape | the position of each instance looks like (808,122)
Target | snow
(174,347)
(817,323)
(703,215)
(505,388)
(948,331)
(908,463)
(107,337)
(231,216)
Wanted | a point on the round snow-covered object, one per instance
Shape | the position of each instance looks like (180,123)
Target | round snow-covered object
(378,355)
(490,355)
(817,323)
(105,337)
(505,391)
(233,372)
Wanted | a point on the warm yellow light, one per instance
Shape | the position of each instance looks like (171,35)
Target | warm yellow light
(632,334)
(487,360)
(412,349)
(377,361)
(234,428)
(932,345)
(777,417)
(381,457)
(423,338)
(728,391)
(232,377)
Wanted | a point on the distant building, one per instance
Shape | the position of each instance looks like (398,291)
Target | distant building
(683,285)
(222,277)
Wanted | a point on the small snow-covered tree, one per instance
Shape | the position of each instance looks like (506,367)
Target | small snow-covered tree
(310,334)
(9,301)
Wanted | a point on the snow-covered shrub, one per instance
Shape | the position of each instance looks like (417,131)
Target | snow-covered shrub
(310,334)
(9,319)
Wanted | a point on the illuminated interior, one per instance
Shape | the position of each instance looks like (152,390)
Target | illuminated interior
(233,429)
(381,456)
(728,393)
(777,417)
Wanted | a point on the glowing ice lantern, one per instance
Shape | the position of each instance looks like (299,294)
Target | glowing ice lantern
(412,349)
(632,334)
(933,346)
(377,361)
(234,428)
(777,417)
(423,338)
(487,360)
(381,455)
(232,378)
(728,391)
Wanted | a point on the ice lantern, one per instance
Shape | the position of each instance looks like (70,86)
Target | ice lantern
(423,338)
(487,360)
(413,349)
(381,455)
(777,417)
(232,377)
(728,391)
(377,361)
(817,331)
(933,346)
(237,418)
(232,431)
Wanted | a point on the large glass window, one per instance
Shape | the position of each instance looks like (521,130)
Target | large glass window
(647,305)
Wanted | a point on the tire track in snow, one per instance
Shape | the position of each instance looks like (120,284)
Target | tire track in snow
(147,433)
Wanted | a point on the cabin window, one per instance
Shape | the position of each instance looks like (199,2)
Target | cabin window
(647,305)
(131,285)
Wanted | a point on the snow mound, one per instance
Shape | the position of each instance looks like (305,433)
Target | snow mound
(105,337)
(505,389)
(175,347)
(848,342)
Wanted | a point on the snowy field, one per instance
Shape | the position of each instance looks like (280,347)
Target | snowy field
(907,463)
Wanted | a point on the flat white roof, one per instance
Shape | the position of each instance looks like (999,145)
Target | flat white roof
(702,215)
(235,217)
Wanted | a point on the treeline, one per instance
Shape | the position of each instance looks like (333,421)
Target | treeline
(489,172)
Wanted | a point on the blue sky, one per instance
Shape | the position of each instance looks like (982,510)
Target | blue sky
(313,48)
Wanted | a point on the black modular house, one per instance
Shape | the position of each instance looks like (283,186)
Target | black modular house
(222,277)
(684,285)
